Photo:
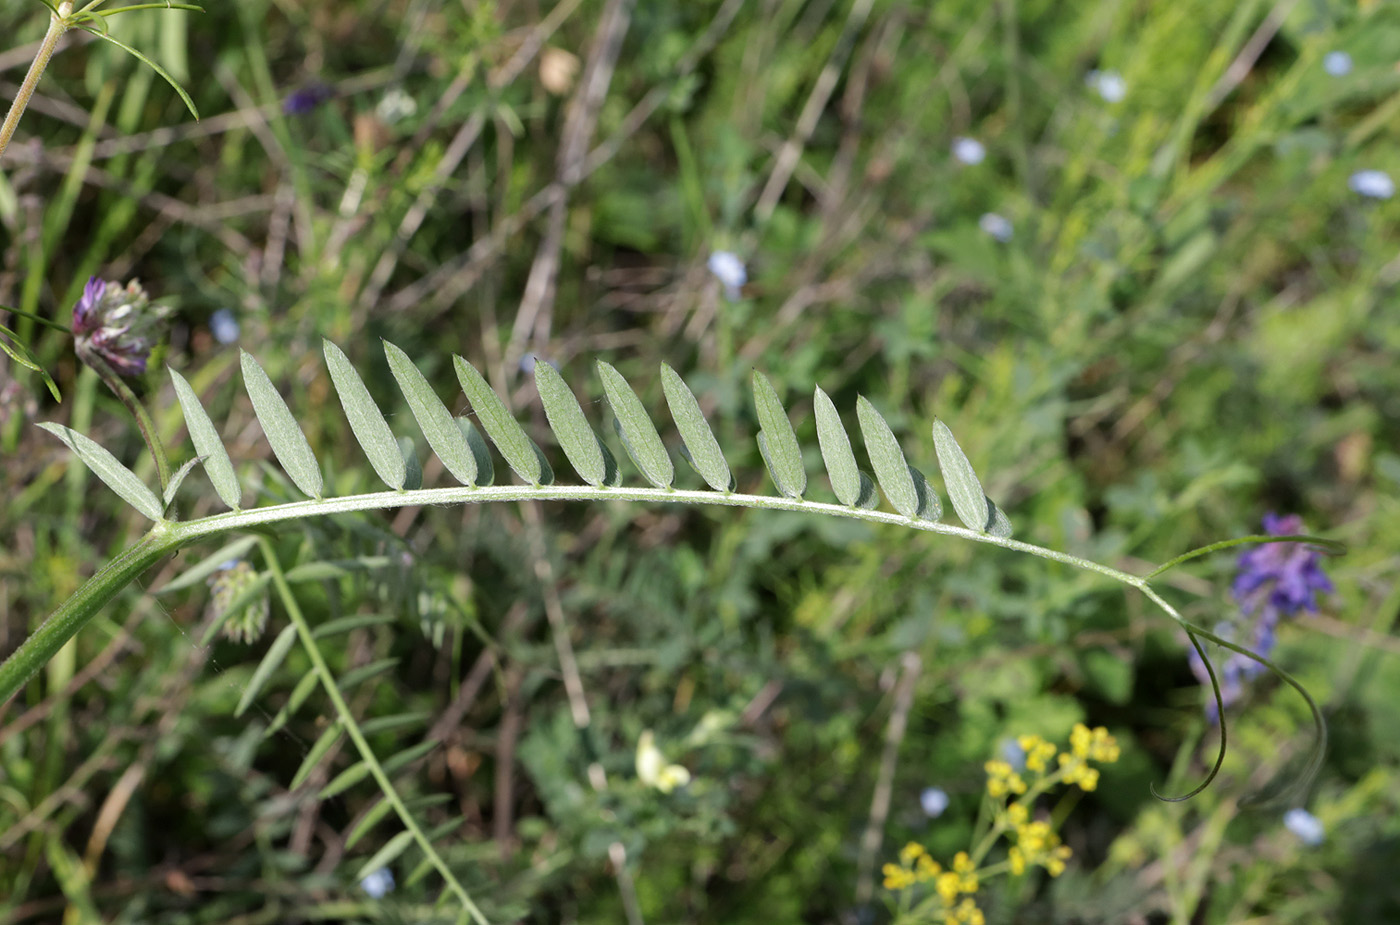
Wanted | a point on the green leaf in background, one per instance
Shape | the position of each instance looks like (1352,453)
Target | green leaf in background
(570,427)
(110,470)
(386,855)
(518,449)
(276,653)
(836,451)
(778,442)
(178,479)
(207,443)
(700,443)
(964,488)
(17,351)
(635,429)
(316,754)
(366,420)
(189,103)
(434,420)
(891,469)
(288,442)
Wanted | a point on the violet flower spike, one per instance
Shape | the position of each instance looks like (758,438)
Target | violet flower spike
(116,325)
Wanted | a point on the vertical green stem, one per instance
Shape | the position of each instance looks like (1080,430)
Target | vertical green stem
(58,24)
(347,719)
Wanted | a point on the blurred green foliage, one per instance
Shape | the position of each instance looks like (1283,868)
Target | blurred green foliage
(1193,323)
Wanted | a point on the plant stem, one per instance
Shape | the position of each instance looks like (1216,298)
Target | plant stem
(133,404)
(58,24)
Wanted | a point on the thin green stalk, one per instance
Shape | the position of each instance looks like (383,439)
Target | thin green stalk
(347,720)
(138,410)
(58,24)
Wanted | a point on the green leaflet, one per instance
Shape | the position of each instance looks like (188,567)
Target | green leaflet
(207,443)
(276,652)
(777,441)
(702,448)
(964,489)
(386,855)
(570,427)
(283,433)
(519,450)
(481,453)
(318,751)
(891,469)
(634,427)
(178,479)
(366,420)
(436,422)
(836,451)
(110,470)
(208,565)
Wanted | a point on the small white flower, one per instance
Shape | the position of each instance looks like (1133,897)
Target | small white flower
(1373,184)
(934,801)
(377,883)
(1305,825)
(968,150)
(998,226)
(395,106)
(224,326)
(1337,63)
(1110,85)
(730,272)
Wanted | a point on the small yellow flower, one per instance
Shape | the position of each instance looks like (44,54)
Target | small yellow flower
(1080,738)
(1017,860)
(897,878)
(1017,814)
(962,863)
(1038,752)
(947,886)
(927,868)
(911,853)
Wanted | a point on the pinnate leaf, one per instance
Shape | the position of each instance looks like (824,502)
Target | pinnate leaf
(700,443)
(443,435)
(110,470)
(366,420)
(634,427)
(777,440)
(206,440)
(518,449)
(283,433)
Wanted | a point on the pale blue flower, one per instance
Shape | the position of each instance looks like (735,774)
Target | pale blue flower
(1013,754)
(224,326)
(730,272)
(1306,826)
(1110,85)
(968,150)
(378,883)
(934,801)
(1337,63)
(1373,184)
(998,226)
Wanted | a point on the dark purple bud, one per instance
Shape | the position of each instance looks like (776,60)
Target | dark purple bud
(300,102)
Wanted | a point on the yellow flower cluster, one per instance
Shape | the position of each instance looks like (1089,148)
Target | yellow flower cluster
(1003,779)
(1036,843)
(915,866)
(1085,746)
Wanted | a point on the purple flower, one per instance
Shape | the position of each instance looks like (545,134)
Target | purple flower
(116,325)
(300,102)
(1274,581)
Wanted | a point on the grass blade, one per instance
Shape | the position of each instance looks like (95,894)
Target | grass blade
(836,451)
(969,501)
(891,469)
(704,452)
(263,673)
(779,442)
(318,751)
(189,103)
(386,855)
(570,427)
(207,443)
(634,427)
(519,451)
(110,470)
(366,420)
(283,433)
(436,422)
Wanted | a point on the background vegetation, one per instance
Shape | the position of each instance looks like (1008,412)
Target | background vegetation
(1193,323)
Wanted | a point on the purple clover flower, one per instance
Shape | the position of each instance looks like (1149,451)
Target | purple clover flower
(116,325)
(1274,581)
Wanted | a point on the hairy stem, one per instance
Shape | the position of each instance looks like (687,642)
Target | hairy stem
(58,24)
